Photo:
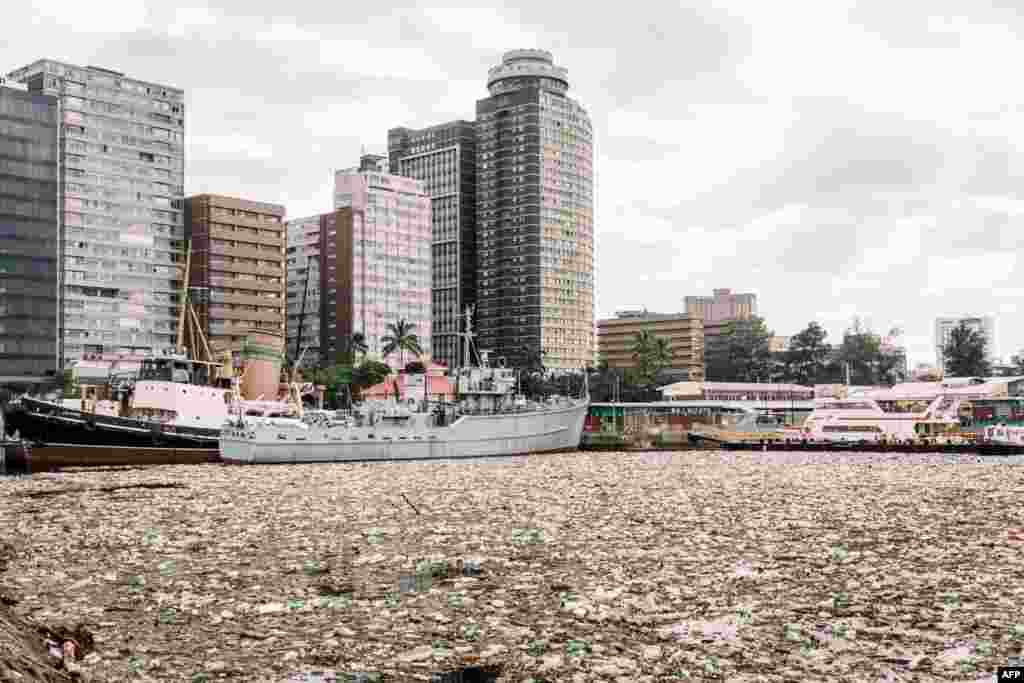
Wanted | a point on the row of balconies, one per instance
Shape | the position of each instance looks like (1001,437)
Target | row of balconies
(243,299)
(246,252)
(246,284)
(271,240)
(277,317)
(239,328)
(246,268)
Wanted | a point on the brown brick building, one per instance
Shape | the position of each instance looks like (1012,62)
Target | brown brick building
(238,257)
(615,337)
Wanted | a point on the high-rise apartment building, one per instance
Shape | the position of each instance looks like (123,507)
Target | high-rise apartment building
(375,271)
(985,324)
(237,267)
(723,306)
(29,265)
(303,264)
(443,157)
(122,163)
(535,216)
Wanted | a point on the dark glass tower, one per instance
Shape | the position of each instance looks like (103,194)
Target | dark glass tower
(29,229)
(535,257)
(444,158)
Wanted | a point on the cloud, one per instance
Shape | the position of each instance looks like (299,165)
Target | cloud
(116,16)
(871,165)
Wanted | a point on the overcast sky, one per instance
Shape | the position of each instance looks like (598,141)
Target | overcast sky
(836,158)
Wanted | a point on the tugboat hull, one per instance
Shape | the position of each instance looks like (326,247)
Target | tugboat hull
(45,422)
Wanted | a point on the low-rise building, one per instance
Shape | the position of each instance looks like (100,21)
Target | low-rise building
(685,334)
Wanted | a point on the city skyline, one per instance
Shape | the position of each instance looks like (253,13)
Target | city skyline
(874,179)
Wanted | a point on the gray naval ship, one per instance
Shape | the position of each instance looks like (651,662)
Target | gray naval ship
(487,419)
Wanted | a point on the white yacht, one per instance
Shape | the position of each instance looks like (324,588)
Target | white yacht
(909,411)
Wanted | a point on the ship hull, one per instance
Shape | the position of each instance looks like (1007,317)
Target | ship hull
(471,436)
(45,422)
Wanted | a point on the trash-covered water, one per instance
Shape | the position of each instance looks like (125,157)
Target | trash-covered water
(583,566)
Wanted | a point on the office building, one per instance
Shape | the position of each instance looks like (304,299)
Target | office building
(29,228)
(303,264)
(985,324)
(122,159)
(685,334)
(535,218)
(237,267)
(443,157)
(376,260)
(722,306)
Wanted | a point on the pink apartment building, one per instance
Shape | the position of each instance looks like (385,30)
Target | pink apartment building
(376,248)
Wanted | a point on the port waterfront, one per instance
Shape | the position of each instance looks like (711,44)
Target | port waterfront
(594,566)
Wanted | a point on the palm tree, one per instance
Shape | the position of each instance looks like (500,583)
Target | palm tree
(651,353)
(661,354)
(401,338)
(643,343)
(358,344)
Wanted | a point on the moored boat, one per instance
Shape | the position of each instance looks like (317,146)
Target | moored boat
(1001,440)
(489,419)
(163,404)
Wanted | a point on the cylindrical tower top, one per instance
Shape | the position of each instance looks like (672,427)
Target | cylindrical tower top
(524,68)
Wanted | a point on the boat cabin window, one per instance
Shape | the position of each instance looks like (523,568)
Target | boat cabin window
(926,428)
(852,428)
(165,370)
(849,405)
(904,406)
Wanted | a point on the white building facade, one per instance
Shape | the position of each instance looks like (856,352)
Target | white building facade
(302,257)
(120,207)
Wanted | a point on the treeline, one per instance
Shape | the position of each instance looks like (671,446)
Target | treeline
(741,354)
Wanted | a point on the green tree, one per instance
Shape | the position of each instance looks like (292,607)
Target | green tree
(652,354)
(807,355)
(966,353)
(534,360)
(868,362)
(401,338)
(860,351)
(336,380)
(357,345)
(740,353)
(69,383)
(1018,363)
(369,373)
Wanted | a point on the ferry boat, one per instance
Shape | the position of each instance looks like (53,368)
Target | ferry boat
(907,412)
(488,419)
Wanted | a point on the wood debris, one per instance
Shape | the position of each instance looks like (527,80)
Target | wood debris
(584,567)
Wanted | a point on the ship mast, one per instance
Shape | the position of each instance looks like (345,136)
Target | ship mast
(302,310)
(184,296)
